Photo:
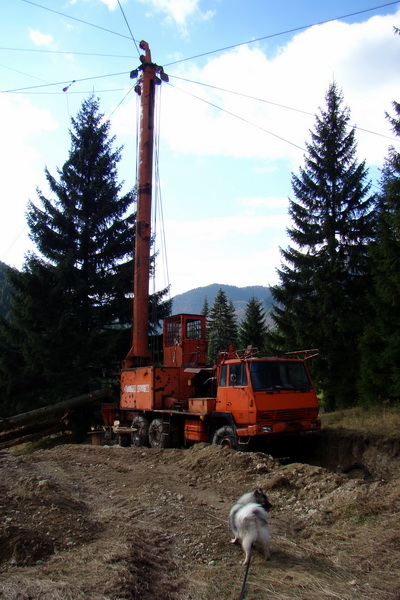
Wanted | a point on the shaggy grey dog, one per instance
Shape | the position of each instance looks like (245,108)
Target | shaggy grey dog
(248,520)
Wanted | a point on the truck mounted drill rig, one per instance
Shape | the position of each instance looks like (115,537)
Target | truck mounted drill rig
(243,397)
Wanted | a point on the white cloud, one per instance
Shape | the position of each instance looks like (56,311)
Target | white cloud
(22,168)
(179,11)
(268,202)
(112,4)
(242,247)
(41,39)
(362,58)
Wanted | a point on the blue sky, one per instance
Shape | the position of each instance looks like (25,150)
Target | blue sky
(233,122)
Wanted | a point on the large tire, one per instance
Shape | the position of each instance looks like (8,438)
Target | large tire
(159,434)
(141,436)
(225,437)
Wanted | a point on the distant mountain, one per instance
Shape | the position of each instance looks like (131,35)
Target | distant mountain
(192,301)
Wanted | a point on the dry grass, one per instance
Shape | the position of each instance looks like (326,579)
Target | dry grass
(382,420)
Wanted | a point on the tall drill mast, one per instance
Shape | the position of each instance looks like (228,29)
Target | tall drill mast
(139,352)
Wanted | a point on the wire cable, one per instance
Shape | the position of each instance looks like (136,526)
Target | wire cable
(25,74)
(238,117)
(159,204)
(119,104)
(127,24)
(14,241)
(76,19)
(212,51)
(63,82)
(300,28)
(256,99)
(66,52)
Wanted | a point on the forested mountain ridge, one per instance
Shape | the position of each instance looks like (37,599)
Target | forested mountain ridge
(192,301)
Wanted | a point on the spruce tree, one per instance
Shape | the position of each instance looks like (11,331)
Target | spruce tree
(320,301)
(72,307)
(222,326)
(252,329)
(205,308)
(380,344)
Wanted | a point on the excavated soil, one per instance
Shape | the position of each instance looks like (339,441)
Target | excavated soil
(111,523)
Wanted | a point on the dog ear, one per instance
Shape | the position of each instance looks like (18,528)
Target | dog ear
(259,494)
(261,497)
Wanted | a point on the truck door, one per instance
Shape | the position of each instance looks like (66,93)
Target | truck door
(233,392)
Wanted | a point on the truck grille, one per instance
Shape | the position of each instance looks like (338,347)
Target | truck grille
(291,414)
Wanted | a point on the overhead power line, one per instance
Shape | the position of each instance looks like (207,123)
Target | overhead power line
(64,82)
(240,118)
(67,52)
(304,112)
(76,19)
(302,27)
(127,24)
(192,57)
(293,30)
(231,47)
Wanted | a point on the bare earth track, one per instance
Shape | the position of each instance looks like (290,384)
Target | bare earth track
(112,523)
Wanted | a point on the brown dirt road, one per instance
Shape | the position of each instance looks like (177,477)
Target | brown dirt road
(112,523)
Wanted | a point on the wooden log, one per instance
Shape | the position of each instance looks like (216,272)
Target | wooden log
(29,428)
(36,416)
(23,439)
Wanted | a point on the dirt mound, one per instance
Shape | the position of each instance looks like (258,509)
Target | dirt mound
(111,523)
(28,501)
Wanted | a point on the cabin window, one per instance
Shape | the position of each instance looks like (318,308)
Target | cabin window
(237,374)
(222,379)
(174,333)
(279,375)
(194,329)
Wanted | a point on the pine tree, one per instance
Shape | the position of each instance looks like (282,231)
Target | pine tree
(72,304)
(323,280)
(205,308)
(252,329)
(222,326)
(380,344)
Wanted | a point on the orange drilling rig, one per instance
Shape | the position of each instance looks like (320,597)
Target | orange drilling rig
(243,397)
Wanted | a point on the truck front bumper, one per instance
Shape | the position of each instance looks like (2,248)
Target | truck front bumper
(280,427)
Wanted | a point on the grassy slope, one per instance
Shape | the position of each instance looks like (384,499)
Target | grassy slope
(378,420)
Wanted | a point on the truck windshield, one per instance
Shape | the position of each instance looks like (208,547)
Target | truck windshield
(279,375)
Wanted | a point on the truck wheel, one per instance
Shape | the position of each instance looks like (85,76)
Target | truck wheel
(159,435)
(141,436)
(225,437)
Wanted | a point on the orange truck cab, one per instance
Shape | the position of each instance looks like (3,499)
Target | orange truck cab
(266,394)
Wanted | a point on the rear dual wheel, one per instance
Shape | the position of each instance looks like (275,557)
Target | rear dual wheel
(156,434)
(140,437)
(159,434)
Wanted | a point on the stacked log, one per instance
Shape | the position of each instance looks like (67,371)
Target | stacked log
(45,421)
